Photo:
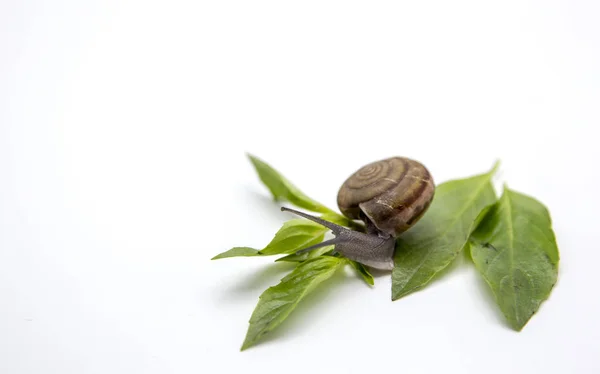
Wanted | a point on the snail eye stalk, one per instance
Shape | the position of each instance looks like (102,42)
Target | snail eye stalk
(369,249)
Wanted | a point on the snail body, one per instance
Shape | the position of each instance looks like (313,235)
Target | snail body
(389,196)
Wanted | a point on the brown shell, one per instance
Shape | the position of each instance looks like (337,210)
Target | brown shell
(393,194)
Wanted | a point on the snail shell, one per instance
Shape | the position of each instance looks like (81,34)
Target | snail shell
(391,194)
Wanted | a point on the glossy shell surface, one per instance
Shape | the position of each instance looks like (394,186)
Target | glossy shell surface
(393,194)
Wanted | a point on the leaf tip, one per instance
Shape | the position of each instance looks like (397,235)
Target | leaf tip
(407,290)
(398,295)
(518,326)
(248,342)
(256,162)
(219,256)
(495,167)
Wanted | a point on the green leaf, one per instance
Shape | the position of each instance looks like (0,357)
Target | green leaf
(293,236)
(276,303)
(363,272)
(306,255)
(282,189)
(440,235)
(515,250)
(238,252)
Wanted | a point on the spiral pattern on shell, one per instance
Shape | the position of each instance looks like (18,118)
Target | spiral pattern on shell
(393,194)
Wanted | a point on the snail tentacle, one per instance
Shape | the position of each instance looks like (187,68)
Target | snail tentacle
(333,241)
(330,225)
(369,249)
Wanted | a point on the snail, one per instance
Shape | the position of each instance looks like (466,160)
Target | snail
(389,196)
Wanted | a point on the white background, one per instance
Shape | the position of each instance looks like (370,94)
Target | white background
(123,132)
